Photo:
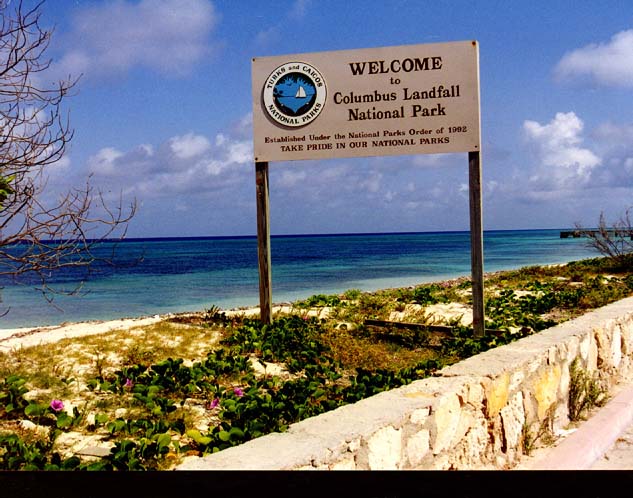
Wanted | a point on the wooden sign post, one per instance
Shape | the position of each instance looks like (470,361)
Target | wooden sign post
(412,99)
(263,242)
(476,242)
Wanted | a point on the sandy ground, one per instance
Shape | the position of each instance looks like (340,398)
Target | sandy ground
(619,456)
(16,338)
(26,337)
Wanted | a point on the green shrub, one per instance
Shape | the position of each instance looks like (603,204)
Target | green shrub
(584,391)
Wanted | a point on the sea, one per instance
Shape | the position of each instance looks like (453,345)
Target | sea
(165,275)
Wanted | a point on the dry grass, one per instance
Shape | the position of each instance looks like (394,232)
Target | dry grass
(359,349)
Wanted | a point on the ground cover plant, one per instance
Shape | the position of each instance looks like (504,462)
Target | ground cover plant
(199,383)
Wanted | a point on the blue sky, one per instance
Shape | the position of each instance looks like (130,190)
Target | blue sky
(162,113)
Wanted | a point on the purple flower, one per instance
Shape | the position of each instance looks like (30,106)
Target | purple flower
(238,392)
(211,405)
(128,383)
(57,405)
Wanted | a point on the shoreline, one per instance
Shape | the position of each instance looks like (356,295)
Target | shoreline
(32,336)
(381,262)
(19,337)
(26,337)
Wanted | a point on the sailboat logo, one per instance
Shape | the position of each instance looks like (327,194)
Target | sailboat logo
(294,94)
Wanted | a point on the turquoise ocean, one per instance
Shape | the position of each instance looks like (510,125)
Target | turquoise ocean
(156,276)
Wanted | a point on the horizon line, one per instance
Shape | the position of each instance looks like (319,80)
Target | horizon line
(330,234)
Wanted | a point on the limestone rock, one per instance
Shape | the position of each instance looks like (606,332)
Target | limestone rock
(384,449)
(418,446)
(513,418)
(446,421)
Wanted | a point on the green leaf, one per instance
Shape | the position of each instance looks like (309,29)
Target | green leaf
(116,426)
(101,418)
(63,421)
(198,438)
(34,409)
(71,463)
(236,433)
(100,465)
(163,440)
(224,436)
(193,434)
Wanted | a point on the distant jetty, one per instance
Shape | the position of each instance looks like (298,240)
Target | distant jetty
(565,234)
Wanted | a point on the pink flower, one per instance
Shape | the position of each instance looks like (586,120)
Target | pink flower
(128,384)
(238,392)
(211,405)
(57,405)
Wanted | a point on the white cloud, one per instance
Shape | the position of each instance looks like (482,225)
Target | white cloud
(390,196)
(104,161)
(617,139)
(168,36)
(608,63)
(490,187)
(290,178)
(562,162)
(372,182)
(561,168)
(615,142)
(189,145)
(57,173)
(435,160)
(213,167)
(240,152)
(268,36)
(243,128)
(185,165)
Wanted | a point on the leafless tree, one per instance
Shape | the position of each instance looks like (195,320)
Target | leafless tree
(615,239)
(39,237)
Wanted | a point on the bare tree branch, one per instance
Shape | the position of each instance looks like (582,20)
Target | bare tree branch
(38,239)
(614,240)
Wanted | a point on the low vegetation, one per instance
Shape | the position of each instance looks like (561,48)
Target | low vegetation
(584,391)
(195,384)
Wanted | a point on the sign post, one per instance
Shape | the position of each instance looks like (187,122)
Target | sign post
(411,99)
(263,242)
(476,242)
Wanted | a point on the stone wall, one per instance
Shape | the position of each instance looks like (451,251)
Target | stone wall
(472,415)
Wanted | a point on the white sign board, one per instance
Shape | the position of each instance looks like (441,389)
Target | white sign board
(412,99)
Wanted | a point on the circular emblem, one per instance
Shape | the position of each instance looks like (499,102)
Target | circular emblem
(294,94)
